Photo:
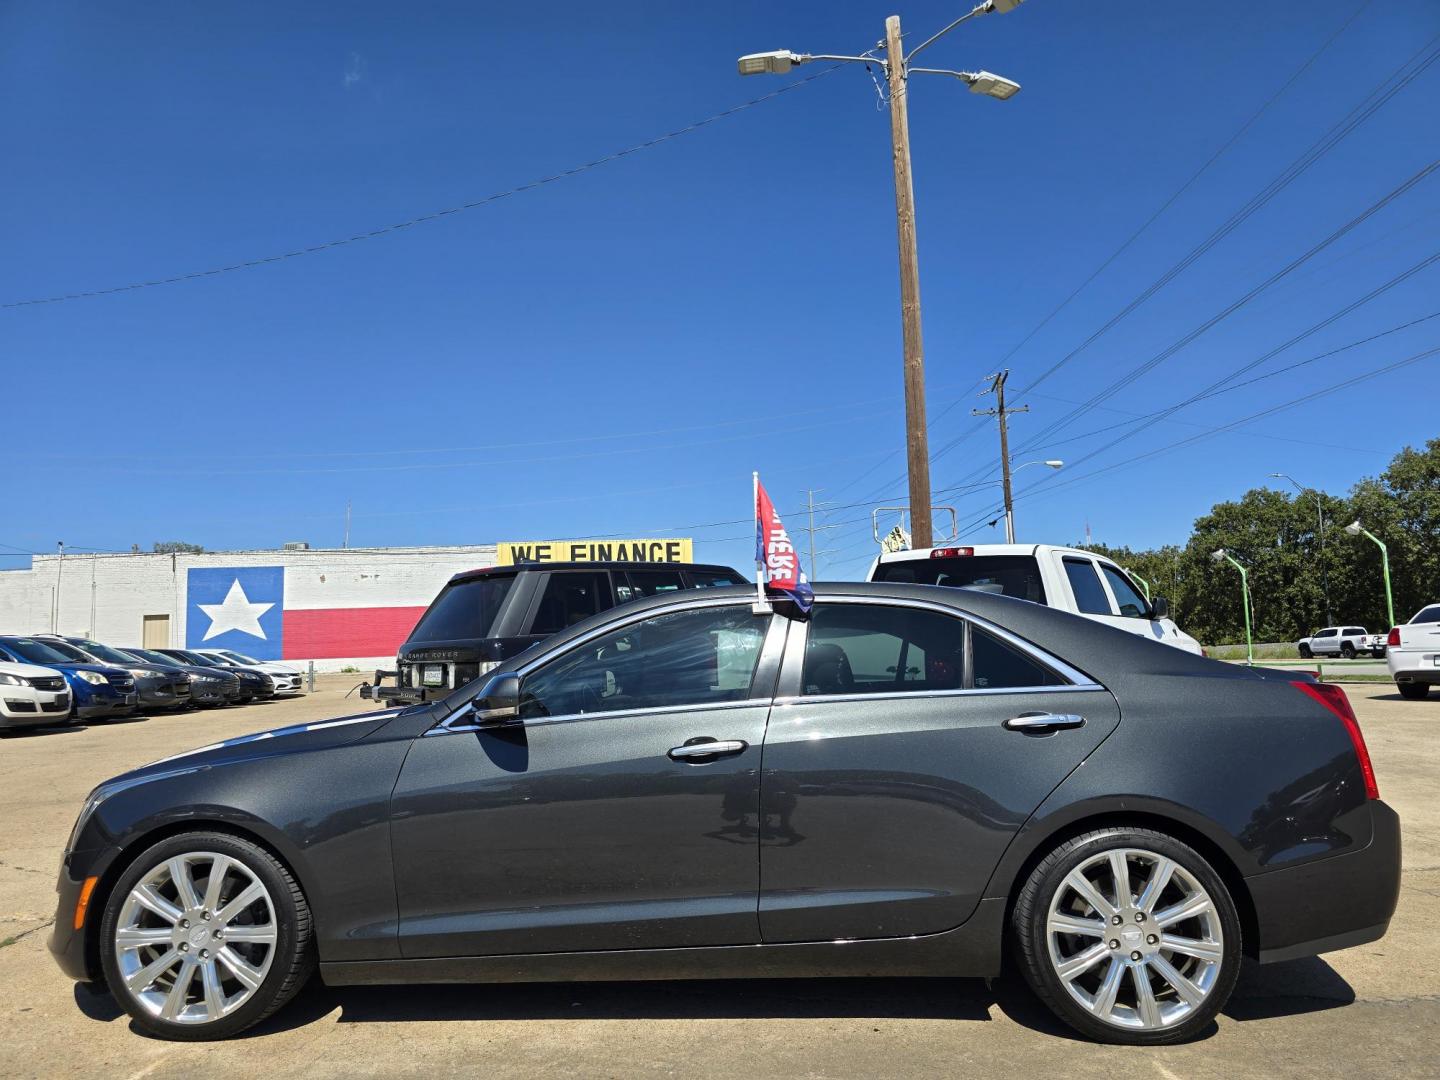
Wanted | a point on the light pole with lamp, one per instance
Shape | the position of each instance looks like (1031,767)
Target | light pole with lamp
(1356,529)
(1053,463)
(898,69)
(1221,555)
(1320,529)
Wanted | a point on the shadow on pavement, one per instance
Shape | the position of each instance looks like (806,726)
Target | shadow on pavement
(1289,989)
(37,732)
(1297,987)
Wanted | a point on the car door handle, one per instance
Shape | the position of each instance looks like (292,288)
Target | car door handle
(1042,721)
(707,748)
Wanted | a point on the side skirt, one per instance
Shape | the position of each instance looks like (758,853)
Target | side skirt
(972,949)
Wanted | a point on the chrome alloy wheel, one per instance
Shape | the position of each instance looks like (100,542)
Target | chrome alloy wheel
(195,937)
(1135,939)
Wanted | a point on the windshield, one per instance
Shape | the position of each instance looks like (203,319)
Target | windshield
(41,652)
(216,659)
(192,658)
(151,657)
(239,658)
(464,609)
(105,653)
(1008,575)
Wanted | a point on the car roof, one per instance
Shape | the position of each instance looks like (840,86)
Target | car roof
(987,549)
(512,568)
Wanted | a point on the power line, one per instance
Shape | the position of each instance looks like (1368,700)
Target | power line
(434,215)
(1216,156)
(1417,63)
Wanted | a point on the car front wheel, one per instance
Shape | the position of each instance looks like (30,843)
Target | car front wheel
(204,935)
(1129,936)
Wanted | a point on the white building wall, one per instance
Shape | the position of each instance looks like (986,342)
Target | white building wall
(107,596)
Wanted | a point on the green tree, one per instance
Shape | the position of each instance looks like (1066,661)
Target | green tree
(177,547)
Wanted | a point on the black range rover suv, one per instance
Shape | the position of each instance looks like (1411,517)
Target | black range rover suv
(482,617)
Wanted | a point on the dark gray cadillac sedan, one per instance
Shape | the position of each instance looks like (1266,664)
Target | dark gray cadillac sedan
(911,781)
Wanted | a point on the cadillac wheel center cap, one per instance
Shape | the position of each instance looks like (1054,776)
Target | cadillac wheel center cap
(198,935)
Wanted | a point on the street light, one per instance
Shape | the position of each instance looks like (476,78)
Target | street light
(1356,529)
(1320,528)
(1053,463)
(898,68)
(1221,555)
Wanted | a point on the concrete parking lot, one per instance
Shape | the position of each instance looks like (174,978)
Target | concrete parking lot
(1371,1011)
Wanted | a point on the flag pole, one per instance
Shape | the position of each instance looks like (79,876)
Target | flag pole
(762,603)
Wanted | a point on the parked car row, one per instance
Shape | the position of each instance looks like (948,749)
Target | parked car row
(48,679)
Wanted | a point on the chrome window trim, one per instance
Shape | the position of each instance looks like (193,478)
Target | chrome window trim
(899,695)
(568,718)
(446,726)
(1076,679)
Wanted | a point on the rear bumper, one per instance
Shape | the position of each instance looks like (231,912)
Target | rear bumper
(1414,665)
(1334,903)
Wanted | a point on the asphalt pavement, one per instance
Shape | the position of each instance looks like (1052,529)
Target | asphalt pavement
(1372,1011)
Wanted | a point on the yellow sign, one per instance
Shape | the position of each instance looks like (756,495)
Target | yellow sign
(510,552)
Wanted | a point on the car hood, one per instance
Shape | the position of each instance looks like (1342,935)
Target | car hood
(103,669)
(297,738)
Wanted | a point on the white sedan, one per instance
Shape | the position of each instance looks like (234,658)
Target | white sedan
(286,678)
(31,696)
(1413,653)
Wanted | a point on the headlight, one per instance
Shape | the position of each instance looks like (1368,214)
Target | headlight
(94,678)
(146,673)
(13,680)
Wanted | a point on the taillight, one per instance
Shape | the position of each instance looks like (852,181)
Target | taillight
(1393,638)
(950,553)
(1334,699)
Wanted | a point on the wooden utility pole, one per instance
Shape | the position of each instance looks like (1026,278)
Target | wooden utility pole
(917,446)
(997,387)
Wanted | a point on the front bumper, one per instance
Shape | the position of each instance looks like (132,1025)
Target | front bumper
(163,693)
(1334,903)
(107,703)
(25,707)
(67,943)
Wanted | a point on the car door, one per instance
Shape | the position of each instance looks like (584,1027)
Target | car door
(598,821)
(1325,642)
(905,749)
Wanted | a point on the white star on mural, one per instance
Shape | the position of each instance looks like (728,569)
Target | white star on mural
(236,613)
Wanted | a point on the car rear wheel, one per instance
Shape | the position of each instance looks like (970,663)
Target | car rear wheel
(1129,936)
(204,935)
(1305,652)
(1414,691)
(1347,651)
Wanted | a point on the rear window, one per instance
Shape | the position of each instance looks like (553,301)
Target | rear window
(1429,614)
(1007,575)
(464,609)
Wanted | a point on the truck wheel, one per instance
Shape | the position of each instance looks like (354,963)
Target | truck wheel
(1347,650)
(1413,691)
(1305,653)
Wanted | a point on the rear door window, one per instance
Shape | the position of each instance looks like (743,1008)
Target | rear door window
(1132,605)
(569,597)
(1085,583)
(645,583)
(869,649)
(1006,575)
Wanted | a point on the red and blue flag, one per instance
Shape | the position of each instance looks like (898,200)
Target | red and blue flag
(776,555)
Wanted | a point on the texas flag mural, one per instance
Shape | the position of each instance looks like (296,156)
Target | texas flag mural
(279,613)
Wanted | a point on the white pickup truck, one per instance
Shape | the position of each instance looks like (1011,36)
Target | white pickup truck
(1080,582)
(1346,641)
(1413,656)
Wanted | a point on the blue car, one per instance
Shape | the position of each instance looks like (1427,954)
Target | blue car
(100,691)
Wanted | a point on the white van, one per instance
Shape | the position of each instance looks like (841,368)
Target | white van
(1072,580)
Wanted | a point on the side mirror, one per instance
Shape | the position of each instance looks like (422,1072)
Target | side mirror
(1159,608)
(498,703)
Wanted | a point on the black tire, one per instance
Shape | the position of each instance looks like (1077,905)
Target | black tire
(1031,913)
(1413,691)
(1305,652)
(1347,650)
(294,952)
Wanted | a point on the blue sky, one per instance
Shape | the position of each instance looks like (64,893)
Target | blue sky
(613,353)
